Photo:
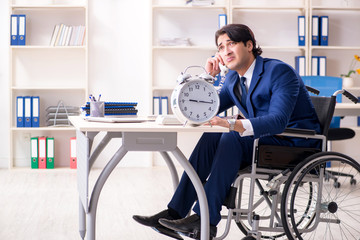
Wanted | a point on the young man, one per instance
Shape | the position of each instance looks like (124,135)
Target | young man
(270,95)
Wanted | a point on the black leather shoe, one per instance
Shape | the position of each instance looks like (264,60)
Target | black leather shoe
(153,222)
(189,226)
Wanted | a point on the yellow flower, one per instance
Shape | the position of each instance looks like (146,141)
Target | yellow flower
(352,67)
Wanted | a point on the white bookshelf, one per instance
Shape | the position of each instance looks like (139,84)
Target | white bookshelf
(53,73)
(343,34)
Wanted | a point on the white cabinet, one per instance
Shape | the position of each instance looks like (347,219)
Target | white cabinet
(53,73)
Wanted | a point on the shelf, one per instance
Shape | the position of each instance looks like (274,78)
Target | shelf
(46,7)
(47,47)
(44,171)
(242,7)
(184,48)
(336,8)
(34,129)
(187,7)
(164,88)
(50,88)
(283,47)
(335,47)
(214,48)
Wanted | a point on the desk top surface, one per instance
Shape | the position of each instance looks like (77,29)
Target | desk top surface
(347,109)
(83,125)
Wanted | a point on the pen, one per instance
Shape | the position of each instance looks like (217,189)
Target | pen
(92,98)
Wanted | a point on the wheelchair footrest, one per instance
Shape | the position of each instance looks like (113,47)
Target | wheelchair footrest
(194,235)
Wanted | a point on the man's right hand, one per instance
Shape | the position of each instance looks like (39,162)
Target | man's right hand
(212,65)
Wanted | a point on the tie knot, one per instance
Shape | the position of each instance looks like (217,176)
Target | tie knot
(242,80)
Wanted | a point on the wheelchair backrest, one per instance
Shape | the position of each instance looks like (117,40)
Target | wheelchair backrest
(327,85)
(324,107)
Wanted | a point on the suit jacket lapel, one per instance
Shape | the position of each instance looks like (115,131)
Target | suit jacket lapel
(258,70)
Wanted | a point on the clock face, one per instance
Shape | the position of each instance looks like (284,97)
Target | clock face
(198,101)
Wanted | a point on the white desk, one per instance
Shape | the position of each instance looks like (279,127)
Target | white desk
(347,109)
(146,136)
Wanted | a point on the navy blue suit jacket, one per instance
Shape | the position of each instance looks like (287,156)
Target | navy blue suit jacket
(277,99)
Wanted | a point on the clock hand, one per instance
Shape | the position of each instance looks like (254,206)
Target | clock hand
(207,102)
(193,100)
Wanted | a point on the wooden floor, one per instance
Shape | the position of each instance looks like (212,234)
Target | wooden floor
(43,204)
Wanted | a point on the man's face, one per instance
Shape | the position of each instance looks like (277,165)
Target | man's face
(237,56)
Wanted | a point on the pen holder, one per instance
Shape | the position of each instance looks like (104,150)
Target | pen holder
(97,109)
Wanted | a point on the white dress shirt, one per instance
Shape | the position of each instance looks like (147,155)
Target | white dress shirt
(249,131)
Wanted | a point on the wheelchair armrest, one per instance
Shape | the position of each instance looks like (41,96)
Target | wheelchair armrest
(300,131)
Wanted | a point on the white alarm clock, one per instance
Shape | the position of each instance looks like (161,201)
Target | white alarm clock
(195,99)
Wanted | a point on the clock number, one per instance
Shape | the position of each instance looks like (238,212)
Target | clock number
(205,114)
(191,89)
(209,93)
(190,113)
(185,108)
(182,100)
(197,86)
(197,116)
(210,109)
(186,94)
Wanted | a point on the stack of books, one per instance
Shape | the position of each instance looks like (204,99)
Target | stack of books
(64,35)
(114,108)
(175,42)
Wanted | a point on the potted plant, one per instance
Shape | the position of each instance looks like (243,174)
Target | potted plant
(348,81)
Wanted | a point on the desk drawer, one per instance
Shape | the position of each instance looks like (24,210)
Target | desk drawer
(135,141)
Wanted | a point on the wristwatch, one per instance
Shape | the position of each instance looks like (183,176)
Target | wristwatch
(231,122)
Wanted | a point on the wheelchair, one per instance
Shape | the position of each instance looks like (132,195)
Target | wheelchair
(287,193)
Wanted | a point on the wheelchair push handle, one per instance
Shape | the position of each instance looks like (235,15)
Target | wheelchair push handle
(348,95)
(312,90)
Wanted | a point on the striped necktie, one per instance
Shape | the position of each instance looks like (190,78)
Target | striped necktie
(243,91)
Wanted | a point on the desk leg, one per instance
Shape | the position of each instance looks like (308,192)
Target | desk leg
(82,220)
(204,208)
(91,216)
(92,158)
(171,166)
(102,144)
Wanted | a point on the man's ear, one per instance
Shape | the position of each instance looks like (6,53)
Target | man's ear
(249,45)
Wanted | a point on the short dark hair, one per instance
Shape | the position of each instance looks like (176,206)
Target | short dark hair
(239,33)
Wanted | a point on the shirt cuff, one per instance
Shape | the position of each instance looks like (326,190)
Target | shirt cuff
(249,131)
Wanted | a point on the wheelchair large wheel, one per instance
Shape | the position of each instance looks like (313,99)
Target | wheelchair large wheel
(334,212)
(263,209)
